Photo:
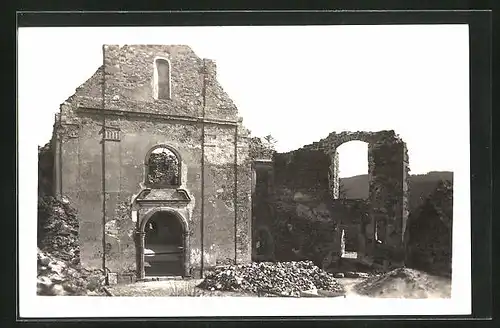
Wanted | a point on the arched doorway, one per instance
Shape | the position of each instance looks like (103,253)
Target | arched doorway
(163,246)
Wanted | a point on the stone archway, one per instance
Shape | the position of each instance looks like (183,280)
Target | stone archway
(163,236)
(388,172)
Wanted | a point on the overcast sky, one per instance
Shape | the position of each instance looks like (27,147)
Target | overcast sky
(295,83)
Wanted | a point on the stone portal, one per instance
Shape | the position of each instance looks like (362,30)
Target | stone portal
(163,245)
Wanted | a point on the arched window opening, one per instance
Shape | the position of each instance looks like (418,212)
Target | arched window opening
(163,168)
(162,75)
(353,170)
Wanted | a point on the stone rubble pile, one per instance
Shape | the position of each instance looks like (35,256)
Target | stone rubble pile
(59,271)
(280,278)
(58,228)
(58,277)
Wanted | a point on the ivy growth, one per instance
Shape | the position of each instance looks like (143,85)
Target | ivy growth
(163,169)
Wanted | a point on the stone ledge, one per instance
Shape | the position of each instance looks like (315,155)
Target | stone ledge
(156,116)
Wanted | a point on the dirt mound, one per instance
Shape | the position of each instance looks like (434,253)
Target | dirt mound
(282,278)
(58,253)
(405,283)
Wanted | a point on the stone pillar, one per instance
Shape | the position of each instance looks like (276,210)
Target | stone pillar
(369,229)
(406,191)
(333,173)
(141,272)
(185,257)
(388,191)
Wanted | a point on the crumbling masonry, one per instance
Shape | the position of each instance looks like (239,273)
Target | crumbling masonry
(299,214)
(153,155)
(147,100)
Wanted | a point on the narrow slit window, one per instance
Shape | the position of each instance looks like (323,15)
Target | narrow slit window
(163,79)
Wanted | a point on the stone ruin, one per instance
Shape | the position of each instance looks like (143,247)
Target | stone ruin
(298,214)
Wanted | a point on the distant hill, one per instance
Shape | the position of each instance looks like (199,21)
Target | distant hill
(421,185)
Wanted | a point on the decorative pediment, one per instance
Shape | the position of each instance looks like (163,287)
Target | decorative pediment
(163,196)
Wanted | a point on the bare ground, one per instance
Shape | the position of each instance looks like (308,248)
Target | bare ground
(405,283)
(185,288)
(168,288)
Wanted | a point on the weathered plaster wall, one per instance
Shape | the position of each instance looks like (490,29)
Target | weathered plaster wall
(143,122)
(243,197)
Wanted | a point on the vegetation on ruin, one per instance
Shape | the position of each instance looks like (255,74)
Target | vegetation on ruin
(163,168)
(262,148)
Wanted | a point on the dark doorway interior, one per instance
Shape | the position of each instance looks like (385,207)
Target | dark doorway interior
(264,244)
(163,245)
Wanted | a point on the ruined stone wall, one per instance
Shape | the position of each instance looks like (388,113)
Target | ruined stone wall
(306,198)
(78,178)
(352,216)
(227,195)
(302,171)
(388,171)
(46,170)
(129,82)
(429,234)
(143,122)
(306,220)
(129,72)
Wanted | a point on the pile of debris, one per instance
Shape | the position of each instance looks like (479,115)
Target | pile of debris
(58,228)
(405,283)
(58,277)
(280,278)
(58,253)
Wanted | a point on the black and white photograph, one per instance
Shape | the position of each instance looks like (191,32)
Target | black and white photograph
(244,170)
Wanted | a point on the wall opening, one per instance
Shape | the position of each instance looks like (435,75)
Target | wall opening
(162,79)
(349,242)
(353,170)
(353,190)
(163,168)
(164,245)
